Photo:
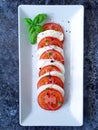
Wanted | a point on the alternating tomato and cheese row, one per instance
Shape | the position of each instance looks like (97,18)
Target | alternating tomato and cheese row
(50,85)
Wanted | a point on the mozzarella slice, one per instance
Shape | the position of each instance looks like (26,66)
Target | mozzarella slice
(50,33)
(46,48)
(57,87)
(54,73)
(45,62)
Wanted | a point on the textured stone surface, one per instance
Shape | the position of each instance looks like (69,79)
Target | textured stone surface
(9,78)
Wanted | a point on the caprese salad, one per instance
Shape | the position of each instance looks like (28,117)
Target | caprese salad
(50,84)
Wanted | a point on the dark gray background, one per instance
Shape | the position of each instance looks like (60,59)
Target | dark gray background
(9,77)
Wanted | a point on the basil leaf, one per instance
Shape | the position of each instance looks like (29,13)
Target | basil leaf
(31,29)
(42,17)
(39,18)
(28,21)
(33,37)
(34,27)
(39,28)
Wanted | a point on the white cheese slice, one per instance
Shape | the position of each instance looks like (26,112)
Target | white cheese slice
(50,33)
(45,62)
(54,73)
(57,87)
(51,47)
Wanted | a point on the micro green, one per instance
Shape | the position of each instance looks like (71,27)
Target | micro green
(47,75)
(59,103)
(35,26)
(46,42)
(47,88)
(49,54)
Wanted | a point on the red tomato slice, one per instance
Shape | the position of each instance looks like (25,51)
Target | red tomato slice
(50,79)
(48,68)
(50,41)
(52,54)
(53,26)
(50,99)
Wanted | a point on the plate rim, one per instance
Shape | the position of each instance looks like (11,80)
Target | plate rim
(22,5)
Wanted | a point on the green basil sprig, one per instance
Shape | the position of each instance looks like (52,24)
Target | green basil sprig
(34,26)
(39,18)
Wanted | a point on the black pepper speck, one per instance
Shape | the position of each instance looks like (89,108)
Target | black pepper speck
(52,61)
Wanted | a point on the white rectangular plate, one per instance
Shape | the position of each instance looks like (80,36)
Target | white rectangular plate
(71,114)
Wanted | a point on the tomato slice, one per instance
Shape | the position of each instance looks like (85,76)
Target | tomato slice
(53,26)
(50,79)
(50,99)
(47,41)
(53,55)
(48,68)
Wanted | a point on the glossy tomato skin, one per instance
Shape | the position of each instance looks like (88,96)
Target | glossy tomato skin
(50,80)
(47,41)
(48,68)
(50,99)
(53,26)
(52,54)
